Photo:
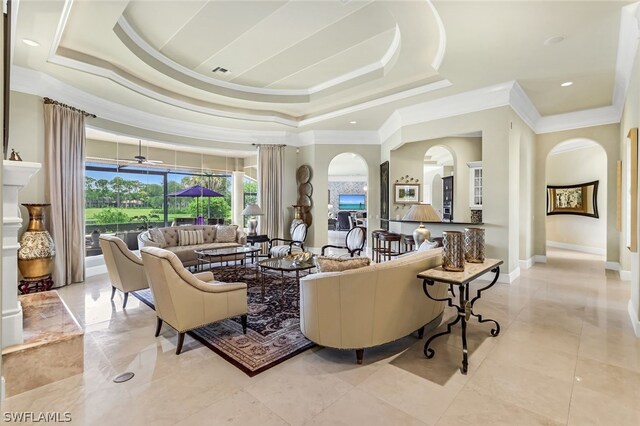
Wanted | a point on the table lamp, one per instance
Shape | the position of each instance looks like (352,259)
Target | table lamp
(252,210)
(421,213)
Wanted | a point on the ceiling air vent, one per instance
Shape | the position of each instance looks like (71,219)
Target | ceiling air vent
(220,70)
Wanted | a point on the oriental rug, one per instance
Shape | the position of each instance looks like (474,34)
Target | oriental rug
(273,325)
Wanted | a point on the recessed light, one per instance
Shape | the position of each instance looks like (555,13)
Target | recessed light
(554,40)
(353,122)
(30,42)
(567,84)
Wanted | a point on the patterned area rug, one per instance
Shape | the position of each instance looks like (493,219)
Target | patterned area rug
(273,326)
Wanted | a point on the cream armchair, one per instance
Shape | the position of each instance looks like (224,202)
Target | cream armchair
(186,301)
(124,267)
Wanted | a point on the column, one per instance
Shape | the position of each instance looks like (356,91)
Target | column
(237,198)
(15,175)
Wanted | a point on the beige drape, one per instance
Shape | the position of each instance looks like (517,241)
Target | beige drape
(64,140)
(270,187)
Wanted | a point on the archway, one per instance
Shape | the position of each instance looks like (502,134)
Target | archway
(572,162)
(348,201)
(439,162)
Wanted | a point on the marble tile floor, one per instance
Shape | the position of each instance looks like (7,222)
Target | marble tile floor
(566,355)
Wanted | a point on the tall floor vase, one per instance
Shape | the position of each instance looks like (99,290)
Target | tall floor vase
(36,253)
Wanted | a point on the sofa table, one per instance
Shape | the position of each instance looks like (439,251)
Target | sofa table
(461,280)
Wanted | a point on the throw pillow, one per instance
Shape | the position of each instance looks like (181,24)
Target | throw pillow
(189,238)
(337,264)
(428,245)
(157,237)
(226,234)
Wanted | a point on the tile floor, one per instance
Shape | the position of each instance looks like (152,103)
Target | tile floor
(566,355)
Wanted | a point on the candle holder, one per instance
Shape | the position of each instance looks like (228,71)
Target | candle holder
(474,245)
(453,251)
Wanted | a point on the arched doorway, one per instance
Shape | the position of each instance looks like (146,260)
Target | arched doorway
(577,236)
(438,163)
(347,195)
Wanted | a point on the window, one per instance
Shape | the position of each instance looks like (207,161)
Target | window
(250,195)
(126,200)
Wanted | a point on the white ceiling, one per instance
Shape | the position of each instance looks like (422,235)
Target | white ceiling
(317,65)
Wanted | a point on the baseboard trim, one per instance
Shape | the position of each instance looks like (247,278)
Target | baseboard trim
(576,247)
(505,278)
(625,275)
(538,258)
(526,264)
(633,315)
(612,266)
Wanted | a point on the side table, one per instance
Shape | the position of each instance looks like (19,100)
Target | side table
(462,280)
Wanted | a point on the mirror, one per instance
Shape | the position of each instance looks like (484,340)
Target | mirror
(579,199)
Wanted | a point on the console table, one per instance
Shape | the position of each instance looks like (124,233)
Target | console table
(461,280)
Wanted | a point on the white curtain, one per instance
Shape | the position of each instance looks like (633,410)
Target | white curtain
(270,187)
(64,140)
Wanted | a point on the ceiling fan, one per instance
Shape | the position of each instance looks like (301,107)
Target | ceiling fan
(141,159)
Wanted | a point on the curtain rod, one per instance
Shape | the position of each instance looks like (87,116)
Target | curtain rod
(268,144)
(53,102)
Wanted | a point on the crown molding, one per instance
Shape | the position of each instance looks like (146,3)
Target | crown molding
(37,83)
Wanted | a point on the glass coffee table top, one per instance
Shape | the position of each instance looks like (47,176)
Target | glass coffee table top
(227,250)
(283,264)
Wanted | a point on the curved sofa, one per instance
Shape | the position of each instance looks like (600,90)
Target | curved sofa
(370,306)
(187,254)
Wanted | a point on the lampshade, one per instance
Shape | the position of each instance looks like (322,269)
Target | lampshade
(252,210)
(422,213)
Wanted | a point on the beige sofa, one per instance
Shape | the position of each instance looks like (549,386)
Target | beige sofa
(370,306)
(187,254)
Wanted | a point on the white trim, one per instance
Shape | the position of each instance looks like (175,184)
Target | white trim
(538,258)
(442,43)
(577,247)
(625,275)
(523,106)
(505,278)
(612,266)
(578,120)
(627,48)
(633,316)
(526,264)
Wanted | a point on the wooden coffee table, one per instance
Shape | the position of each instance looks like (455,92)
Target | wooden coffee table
(283,265)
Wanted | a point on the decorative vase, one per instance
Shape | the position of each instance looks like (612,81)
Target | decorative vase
(474,245)
(476,216)
(36,253)
(452,251)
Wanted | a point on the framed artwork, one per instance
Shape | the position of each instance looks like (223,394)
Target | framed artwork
(631,214)
(580,199)
(619,196)
(406,193)
(384,195)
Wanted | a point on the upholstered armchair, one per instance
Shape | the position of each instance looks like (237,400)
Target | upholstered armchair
(280,247)
(186,301)
(353,243)
(124,267)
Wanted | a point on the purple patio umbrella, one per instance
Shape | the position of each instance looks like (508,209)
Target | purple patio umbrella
(196,191)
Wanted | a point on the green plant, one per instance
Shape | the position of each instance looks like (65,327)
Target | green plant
(145,220)
(109,215)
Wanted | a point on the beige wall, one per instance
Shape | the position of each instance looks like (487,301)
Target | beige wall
(630,119)
(27,137)
(409,160)
(572,167)
(526,139)
(318,158)
(496,152)
(607,137)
